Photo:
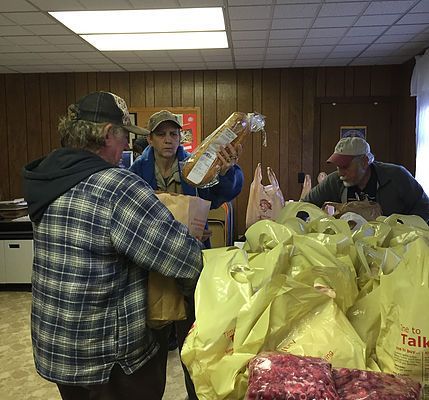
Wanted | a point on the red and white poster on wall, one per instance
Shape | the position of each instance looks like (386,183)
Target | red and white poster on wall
(189,131)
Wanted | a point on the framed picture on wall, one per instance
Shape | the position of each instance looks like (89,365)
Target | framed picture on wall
(189,118)
(353,131)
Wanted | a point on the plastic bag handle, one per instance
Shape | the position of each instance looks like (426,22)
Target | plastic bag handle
(258,174)
(272,178)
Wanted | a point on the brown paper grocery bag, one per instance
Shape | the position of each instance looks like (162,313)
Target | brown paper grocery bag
(189,210)
(165,301)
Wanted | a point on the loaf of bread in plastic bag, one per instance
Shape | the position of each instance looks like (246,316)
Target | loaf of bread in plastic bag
(201,168)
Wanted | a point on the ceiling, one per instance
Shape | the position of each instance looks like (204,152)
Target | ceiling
(261,33)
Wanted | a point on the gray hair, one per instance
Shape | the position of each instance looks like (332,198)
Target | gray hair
(82,134)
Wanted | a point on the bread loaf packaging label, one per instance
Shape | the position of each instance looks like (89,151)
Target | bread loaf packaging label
(201,168)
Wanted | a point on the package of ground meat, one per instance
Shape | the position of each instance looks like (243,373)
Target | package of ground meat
(283,376)
(354,384)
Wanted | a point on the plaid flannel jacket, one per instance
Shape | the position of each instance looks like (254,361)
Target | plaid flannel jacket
(93,249)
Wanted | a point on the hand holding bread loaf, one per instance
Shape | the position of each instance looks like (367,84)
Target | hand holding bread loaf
(220,151)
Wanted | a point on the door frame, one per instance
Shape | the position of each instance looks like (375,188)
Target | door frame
(319,101)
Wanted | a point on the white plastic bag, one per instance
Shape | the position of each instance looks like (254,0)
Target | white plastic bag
(265,202)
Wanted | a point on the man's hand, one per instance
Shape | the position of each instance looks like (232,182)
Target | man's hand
(228,156)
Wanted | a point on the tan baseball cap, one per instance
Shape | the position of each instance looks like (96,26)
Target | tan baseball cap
(347,149)
(162,116)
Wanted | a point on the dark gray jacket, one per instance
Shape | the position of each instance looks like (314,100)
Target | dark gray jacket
(397,191)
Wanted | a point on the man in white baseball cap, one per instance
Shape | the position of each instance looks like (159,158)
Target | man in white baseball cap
(359,177)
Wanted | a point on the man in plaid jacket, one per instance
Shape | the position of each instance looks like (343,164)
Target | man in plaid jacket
(98,231)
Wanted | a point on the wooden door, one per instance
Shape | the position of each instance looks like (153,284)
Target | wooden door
(375,114)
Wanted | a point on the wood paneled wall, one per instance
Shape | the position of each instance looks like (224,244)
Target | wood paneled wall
(30,105)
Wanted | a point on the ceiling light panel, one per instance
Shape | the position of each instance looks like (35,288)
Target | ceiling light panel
(143,21)
(158,41)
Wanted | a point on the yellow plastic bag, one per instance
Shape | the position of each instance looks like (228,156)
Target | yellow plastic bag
(292,208)
(327,333)
(222,289)
(403,344)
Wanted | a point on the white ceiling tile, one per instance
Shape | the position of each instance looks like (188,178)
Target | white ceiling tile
(12,49)
(358,39)
(46,48)
(282,50)
(202,3)
(57,56)
(366,31)
(38,68)
(248,43)
(55,5)
(377,20)
(365,61)
(5,21)
(342,9)
(292,23)
(74,47)
(15,5)
(351,48)
(249,64)
(62,39)
(79,68)
(347,53)
(256,12)
(250,24)
(376,53)
(12,30)
(5,70)
(106,67)
(31,18)
(394,38)
(48,29)
(305,56)
(326,32)
(136,67)
(156,60)
(389,7)
(384,46)
(184,59)
(125,60)
(288,34)
(215,52)
(5,41)
(277,64)
(142,4)
(423,6)
(250,50)
(404,29)
(306,63)
(315,49)
(336,62)
(421,18)
(249,35)
(247,57)
(92,56)
(249,2)
(216,65)
(191,65)
(281,56)
(333,22)
(105,4)
(320,41)
(284,42)
(296,10)
(118,54)
(26,40)
(174,54)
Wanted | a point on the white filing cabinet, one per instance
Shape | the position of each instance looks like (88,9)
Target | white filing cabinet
(17,260)
(16,252)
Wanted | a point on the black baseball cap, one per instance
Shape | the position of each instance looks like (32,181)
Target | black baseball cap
(106,107)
